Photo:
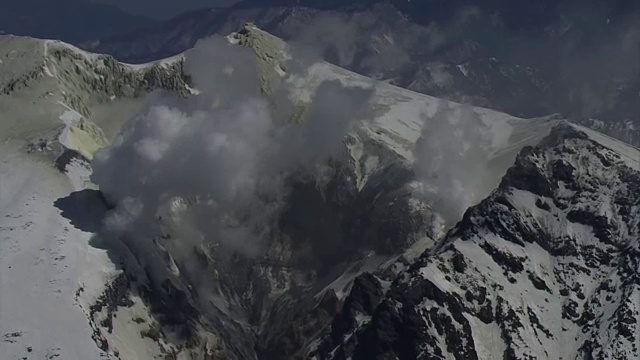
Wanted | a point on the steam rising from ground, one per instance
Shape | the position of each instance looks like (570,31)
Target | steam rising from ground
(373,45)
(359,41)
(218,163)
(450,158)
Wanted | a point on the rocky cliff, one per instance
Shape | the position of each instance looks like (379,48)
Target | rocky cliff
(545,267)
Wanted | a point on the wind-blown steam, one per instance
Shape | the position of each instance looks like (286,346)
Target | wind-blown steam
(219,161)
(450,158)
(347,41)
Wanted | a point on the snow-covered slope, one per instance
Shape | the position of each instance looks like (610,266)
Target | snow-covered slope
(50,273)
(46,261)
(545,267)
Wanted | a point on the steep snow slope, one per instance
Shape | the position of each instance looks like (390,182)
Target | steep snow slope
(46,261)
(50,275)
(545,267)
(401,117)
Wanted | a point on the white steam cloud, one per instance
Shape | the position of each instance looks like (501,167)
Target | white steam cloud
(451,158)
(218,160)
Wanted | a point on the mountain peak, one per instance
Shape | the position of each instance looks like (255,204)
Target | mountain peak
(544,267)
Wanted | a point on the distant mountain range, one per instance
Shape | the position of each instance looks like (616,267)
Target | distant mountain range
(69,20)
(528,58)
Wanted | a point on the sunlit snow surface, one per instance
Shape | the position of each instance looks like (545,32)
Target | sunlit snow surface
(44,260)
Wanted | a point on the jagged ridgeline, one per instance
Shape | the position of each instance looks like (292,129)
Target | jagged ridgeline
(542,268)
(42,79)
(389,248)
(481,53)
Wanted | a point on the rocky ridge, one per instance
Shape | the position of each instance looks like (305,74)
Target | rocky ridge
(48,81)
(545,267)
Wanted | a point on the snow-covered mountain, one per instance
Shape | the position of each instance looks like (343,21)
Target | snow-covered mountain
(545,267)
(429,229)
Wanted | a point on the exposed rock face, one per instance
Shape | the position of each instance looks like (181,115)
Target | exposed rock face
(83,72)
(103,76)
(44,79)
(272,306)
(518,280)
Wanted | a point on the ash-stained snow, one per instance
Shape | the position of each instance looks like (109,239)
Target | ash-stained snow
(69,116)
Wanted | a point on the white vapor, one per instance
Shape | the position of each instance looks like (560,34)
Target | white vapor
(451,158)
(217,164)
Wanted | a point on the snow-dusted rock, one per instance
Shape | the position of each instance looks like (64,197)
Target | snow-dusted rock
(545,267)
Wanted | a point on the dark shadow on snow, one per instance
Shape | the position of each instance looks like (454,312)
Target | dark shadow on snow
(85,209)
